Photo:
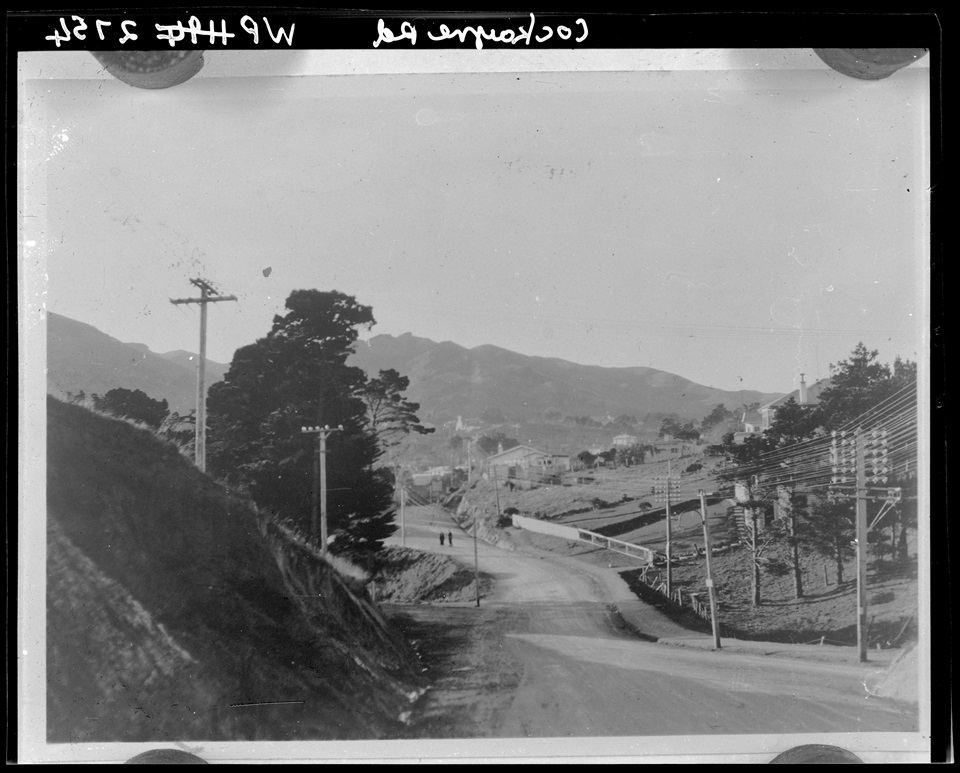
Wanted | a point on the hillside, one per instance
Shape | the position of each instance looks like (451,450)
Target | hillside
(81,357)
(175,612)
(450,380)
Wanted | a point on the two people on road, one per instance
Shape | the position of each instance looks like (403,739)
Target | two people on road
(449,538)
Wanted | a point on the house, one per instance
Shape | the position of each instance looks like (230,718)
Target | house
(669,449)
(625,441)
(525,463)
(752,421)
(805,395)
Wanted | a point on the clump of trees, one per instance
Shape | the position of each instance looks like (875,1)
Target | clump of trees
(298,375)
(685,432)
(137,406)
(816,520)
(133,404)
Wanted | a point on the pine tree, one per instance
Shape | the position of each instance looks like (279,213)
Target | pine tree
(298,375)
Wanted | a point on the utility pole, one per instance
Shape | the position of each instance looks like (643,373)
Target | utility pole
(320,482)
(710,589)
(207,295)
(476,561)
(665,488)
(403,534)
(861,545)
(850,455)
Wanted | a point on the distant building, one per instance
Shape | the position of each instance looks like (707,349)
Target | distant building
(751,423)
(805,395)
(526,463)
(625,441)
(669,449)
(462,426)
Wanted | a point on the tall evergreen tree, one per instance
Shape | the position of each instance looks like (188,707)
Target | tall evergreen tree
(298,375)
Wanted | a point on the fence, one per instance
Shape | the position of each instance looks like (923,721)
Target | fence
(582,535)
(654,580)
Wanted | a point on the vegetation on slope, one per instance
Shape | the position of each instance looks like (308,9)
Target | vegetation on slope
(174,611)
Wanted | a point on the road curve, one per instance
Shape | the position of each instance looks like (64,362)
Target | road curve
(546,656)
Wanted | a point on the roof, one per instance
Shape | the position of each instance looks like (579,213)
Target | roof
(751,417)
(530,451)
(813,394)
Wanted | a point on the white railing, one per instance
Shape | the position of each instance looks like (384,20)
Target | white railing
(582,535)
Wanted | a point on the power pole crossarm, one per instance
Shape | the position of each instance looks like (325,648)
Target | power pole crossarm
(207,295)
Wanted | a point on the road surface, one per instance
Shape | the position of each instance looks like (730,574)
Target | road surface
(546,655)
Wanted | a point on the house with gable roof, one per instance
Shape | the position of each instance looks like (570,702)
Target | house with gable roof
(805,395)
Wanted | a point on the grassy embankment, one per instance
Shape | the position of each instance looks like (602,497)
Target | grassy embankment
(176,612)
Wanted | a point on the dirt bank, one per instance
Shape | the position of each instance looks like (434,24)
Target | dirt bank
(408,576)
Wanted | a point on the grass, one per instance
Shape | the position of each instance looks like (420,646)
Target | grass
(826,610)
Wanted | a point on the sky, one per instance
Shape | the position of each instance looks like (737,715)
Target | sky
(734,226)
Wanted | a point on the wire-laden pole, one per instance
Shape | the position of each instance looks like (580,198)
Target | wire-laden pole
(320,481)
(861,545)
(403,534)
(207,295)
(710,587)
(476,561)
(201,428)
(669,530)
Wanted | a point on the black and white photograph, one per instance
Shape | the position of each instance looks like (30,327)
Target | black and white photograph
(478,402)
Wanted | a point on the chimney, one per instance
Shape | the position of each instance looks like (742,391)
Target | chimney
(499,448)
(803,391)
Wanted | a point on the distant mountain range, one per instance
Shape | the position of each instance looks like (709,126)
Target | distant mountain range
(81,357)
(448,380)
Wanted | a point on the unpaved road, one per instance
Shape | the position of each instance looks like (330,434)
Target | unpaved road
(546,655)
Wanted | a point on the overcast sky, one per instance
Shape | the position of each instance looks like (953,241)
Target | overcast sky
(734,227)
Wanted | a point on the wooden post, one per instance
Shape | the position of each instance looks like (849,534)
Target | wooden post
(710,588)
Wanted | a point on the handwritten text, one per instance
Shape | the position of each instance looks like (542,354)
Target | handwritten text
(524,34)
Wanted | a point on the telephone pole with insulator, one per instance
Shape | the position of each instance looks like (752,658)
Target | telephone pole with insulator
(320,482)
(207,295)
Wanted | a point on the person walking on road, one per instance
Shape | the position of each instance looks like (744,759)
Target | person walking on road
(450,538)
(441,539)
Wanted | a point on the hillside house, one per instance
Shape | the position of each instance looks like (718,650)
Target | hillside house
(751,425)
(625,441)
(805,395)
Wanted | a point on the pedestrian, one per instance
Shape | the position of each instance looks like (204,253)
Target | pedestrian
(441,539)
(450,538)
